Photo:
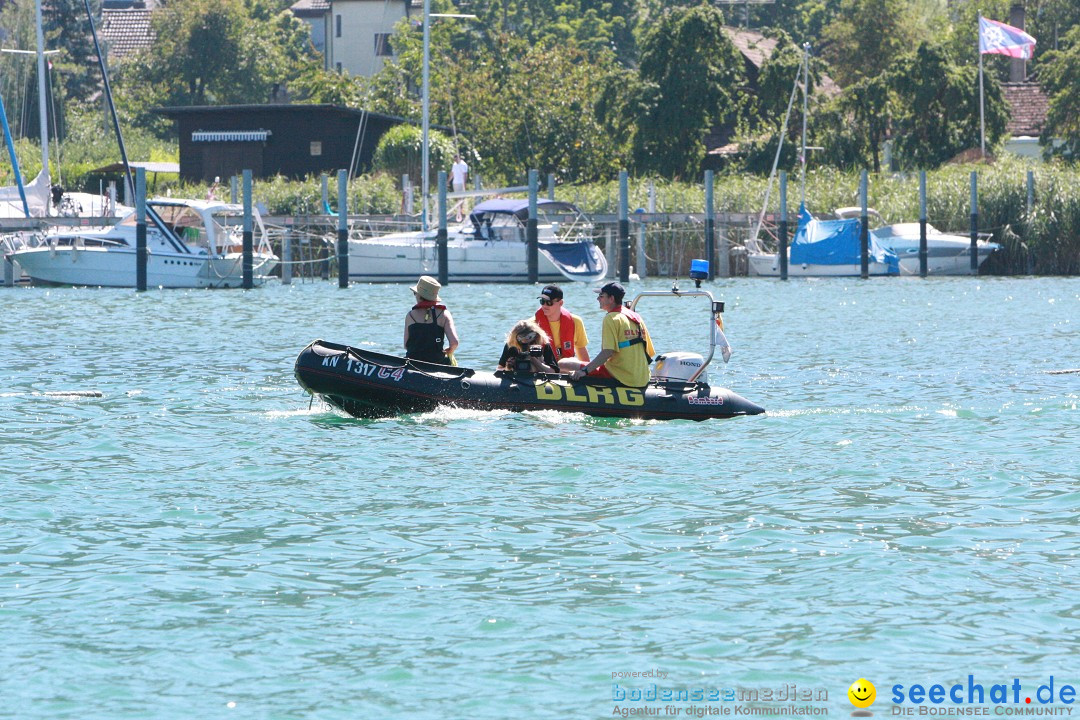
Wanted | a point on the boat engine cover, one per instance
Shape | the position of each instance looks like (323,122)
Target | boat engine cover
(679,366)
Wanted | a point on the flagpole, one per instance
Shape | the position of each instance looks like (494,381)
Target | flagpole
(982,112)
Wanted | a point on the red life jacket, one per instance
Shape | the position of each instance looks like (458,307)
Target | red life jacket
(566,338)
(425,304)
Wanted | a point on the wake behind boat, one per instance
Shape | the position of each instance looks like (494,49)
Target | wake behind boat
(490,246)
(191,244)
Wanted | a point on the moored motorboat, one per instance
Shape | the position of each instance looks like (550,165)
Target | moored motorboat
(946,254)
(489,246)
(364,383)
(824,248)
(191,244)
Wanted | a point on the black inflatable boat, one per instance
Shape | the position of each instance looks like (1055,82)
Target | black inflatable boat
(371,384)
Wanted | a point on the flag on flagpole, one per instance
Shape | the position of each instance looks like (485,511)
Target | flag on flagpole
(1001,39)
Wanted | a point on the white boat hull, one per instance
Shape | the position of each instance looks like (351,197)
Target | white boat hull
(400,260)
(944,256)
(115,267)
(768,265)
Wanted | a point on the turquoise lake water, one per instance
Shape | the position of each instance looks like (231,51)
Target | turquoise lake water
(198,542)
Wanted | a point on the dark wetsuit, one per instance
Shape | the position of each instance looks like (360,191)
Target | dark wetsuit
(426,340)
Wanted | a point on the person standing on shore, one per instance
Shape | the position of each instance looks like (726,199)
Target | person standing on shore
(459,174)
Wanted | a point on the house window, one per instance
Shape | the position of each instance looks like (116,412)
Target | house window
(337,26)
(316,148)
(382,45)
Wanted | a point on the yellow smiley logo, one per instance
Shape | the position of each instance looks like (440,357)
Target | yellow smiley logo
(862,693)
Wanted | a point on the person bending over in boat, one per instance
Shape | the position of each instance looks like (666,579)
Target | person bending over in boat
(428,324)
(566,330)
(527,349)
(626,348)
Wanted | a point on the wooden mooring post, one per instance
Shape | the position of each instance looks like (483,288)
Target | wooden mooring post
(532,230)
(782,246)
(248,269)
(441,235)
(140,230)
(923,251)
(343,229)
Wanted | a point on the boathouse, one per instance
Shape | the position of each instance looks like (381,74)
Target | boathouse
(290,140)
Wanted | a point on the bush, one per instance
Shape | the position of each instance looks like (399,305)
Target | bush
(400,151)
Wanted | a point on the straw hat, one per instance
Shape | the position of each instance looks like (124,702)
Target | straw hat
(427,288)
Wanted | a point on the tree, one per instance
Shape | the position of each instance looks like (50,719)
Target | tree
(523,106)
(68,29)
(1061,81)
(691,77)
(936,108)
(853,126)
(216,52)
(865,38)
(400,152)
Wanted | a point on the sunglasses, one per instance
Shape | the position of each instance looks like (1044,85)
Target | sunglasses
(526,338)
(547,302)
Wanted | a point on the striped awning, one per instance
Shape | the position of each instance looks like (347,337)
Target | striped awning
(231,136)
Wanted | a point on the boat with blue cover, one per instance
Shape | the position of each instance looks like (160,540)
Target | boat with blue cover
(825,248)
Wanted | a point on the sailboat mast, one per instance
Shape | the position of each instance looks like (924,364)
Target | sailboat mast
(425,92)
(43,115)
(805,93)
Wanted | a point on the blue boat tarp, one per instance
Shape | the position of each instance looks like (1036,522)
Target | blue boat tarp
(580,261)
(835,242)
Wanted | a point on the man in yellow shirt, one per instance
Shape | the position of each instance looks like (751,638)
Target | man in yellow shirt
(566,330)
(626,348)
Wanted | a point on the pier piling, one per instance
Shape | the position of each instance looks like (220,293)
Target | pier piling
(532,230)
(343,228)
(140,230)
(248,281)
(974,223)
(624,230)
(864,230)
(923,253)
(710,225)
(440,235)
(782,246)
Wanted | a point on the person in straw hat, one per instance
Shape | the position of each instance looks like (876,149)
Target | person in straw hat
(429,324)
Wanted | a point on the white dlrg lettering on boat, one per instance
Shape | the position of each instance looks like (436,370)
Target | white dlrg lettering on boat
(330,361)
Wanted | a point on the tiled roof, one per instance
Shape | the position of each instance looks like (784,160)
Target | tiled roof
(310,8)
(127,31)
(757,49)
(1028,104)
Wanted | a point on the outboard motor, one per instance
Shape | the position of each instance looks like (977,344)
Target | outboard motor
(679,367)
